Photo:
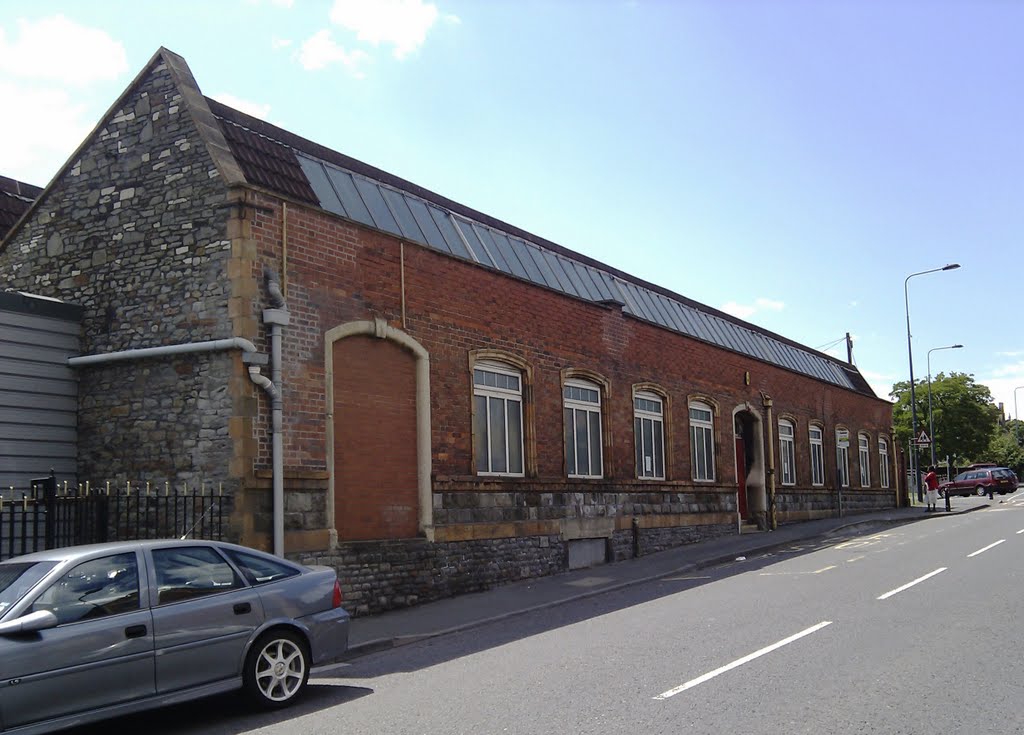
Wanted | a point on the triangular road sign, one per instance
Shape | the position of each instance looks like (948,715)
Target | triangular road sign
(923,438)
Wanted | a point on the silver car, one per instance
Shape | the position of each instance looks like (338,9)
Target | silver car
(90,632)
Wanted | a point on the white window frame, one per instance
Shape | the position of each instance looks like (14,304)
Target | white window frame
(588,405)
(702,433)
(816,436)
(843,461)
(506,396)
(787,451)
(864,459)
(883,462)
(649,411)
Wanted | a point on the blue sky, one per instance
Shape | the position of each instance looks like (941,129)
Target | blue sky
(789,162)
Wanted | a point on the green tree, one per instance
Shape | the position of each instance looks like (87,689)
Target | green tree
(963,412)
(1005,448)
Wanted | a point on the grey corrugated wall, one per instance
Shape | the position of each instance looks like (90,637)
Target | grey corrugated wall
(38,391)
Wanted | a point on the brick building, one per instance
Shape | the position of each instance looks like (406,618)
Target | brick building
(384,380)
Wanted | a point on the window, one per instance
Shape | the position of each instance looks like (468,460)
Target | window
(93,589)
(192,571)
(702,441)
(843,457)
(817,457)
(582,419)
(649,431)
(260,570)
(864,459)
(497,419)
(883,462)
(787,452)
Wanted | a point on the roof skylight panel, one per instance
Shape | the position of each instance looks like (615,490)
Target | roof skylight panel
(382,217)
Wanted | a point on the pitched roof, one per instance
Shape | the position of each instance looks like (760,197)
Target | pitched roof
(15,199)
(287,164)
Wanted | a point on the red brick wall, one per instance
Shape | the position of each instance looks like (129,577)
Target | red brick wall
(374,440)
(338,272)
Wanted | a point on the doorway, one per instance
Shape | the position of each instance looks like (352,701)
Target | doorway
(750,464)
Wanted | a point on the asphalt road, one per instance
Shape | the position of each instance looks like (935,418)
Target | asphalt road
(911,630)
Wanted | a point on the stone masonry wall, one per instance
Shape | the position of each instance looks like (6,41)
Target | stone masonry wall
(134,232)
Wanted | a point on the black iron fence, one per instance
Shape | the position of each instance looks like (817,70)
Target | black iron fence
(51,515)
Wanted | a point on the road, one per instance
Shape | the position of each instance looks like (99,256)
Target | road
(913,629)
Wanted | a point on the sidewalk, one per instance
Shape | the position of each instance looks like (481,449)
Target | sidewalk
(396,627)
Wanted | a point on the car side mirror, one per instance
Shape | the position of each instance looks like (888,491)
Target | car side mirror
(39,620)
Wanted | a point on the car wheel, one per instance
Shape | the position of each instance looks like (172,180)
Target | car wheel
(980,490)
(277,668)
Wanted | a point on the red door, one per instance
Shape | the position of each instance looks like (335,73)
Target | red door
(741,475)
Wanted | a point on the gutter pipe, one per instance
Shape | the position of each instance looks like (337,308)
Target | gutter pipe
(217,345)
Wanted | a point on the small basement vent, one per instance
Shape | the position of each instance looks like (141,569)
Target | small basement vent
(38,391)
(587,552)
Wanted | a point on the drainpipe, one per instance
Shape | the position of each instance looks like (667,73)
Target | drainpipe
(766,401)
(216,345)
(276,317)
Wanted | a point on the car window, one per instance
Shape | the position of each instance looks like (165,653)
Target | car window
(259,569)
(961,477)
(184,573)
(93,589)
(17,578)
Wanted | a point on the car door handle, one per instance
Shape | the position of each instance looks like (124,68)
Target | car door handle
(241,608)
(135,631)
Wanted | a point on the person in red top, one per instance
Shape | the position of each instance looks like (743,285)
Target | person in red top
(931,482)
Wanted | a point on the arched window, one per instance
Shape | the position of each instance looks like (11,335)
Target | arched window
(649,433)
(817,456)
(864,459)
(582,428)
(883,461)
(787,451)
(702,441)
(497,419)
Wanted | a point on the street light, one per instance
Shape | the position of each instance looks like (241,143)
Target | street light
(910,356)
(931,422)
(1015,414)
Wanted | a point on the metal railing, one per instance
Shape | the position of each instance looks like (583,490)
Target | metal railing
(50,515)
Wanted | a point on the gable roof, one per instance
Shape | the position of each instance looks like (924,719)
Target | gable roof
(15,199)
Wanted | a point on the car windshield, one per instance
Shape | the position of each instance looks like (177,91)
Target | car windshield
(16,578)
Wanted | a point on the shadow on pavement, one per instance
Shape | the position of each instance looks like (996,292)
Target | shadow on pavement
(413,654)
(227,714)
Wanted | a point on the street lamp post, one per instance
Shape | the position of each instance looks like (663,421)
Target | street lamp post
(910,356)
(931,422)
(1015,414)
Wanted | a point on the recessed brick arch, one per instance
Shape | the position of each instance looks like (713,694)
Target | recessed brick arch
(383,372)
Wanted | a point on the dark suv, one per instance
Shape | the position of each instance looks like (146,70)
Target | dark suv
(981,481)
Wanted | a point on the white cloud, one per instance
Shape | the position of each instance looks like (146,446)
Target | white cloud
(279,43)
(33,147)
(256,109)
(39,61)
(402,24)
(1014,371)
(745,311)
(57,49)
(319,51)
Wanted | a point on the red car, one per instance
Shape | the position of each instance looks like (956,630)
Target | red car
(981,481)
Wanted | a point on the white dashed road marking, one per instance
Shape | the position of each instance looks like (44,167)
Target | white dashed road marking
(982,551)
(740,661)
(908,585)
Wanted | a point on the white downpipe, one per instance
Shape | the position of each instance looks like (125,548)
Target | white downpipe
(276,318)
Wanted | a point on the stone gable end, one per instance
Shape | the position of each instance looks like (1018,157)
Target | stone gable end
(134,230)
